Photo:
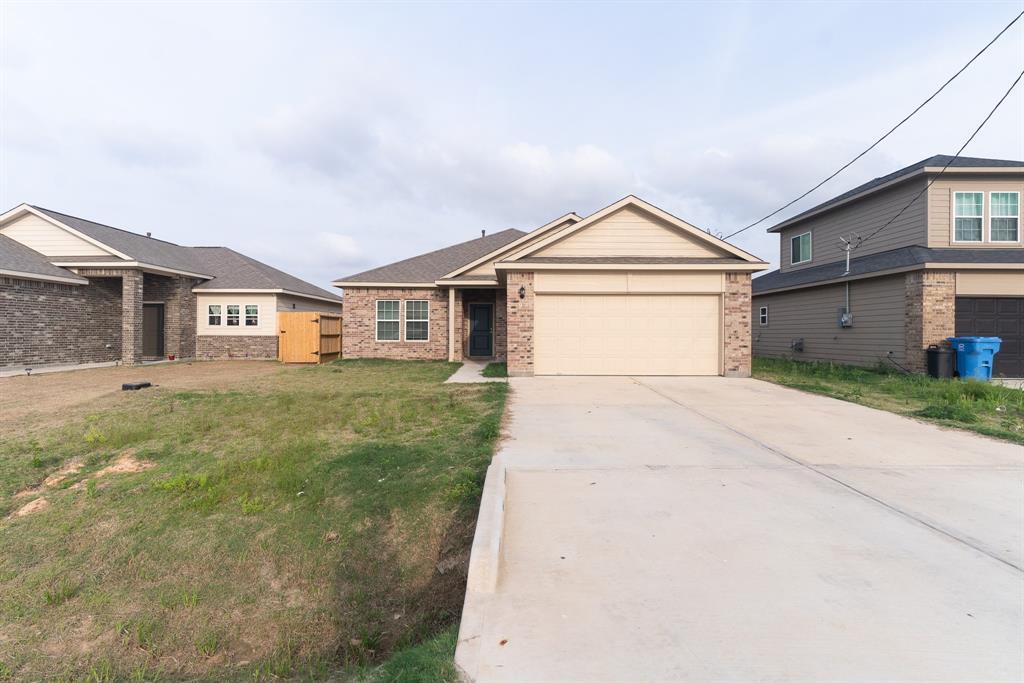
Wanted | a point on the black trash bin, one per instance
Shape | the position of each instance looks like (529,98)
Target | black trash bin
(940,361)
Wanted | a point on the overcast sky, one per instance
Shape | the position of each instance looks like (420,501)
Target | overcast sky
(327,138)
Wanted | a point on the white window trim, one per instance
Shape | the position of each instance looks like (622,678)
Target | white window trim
(990,217)
(953,217)
(377,320)
(762,316)
(810,248)
(220,315)
(405,322)
(259,316)
(241,316)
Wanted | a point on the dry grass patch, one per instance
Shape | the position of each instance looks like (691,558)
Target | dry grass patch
(304,526)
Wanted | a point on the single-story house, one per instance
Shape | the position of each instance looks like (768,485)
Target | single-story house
(951,264)
(628,290)
(73,291)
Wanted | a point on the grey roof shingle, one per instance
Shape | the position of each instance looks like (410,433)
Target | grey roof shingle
(903,257)
(436,264)
(232,270)
(939,160)
(17,258)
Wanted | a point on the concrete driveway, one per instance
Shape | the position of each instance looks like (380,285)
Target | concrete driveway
(733,530)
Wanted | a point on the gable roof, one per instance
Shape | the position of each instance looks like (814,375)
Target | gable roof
(636,202)
(235,271)
(936,162)
(426,268)
(894,259)
(17,260)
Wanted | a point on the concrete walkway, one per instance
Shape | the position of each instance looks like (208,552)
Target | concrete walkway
(469,373)
(665,529)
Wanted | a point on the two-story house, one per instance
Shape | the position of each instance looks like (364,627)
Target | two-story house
(952,263)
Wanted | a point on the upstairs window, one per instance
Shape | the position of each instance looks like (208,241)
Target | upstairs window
(967,217)
(233,315)
(417,320)
(252,315)
(1004,217)
(801,245)
(387,320)
(213,314)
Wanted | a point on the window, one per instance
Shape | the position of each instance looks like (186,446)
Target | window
(801,248)
(387,320)
(763,316)
(967,216)
(417,320)
(232,315)
(252,315)
(213,314)
(1004,216)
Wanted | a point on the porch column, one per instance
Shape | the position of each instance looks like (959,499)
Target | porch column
(451,324)
(131,317)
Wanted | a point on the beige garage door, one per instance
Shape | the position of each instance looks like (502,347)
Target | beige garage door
(626,334)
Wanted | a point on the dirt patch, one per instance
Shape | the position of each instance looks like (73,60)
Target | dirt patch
(70,468)
(51,398)
(35,506)
(126,462)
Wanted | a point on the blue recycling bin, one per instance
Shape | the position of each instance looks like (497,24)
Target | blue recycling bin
(974,356)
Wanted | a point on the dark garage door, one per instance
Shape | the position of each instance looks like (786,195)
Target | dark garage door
(995,317)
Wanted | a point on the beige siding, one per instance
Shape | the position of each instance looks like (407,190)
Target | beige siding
(286,302)
(940,202)
(992,283)
(487,269)
(862,217)
(628,282)
(267,320)
(49,240)
(630,232)
(878,307)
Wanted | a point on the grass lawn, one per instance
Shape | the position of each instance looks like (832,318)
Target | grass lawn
(495,370)
(310,526)
(979,407)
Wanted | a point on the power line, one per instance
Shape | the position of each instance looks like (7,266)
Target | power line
(890,132)
(948,163)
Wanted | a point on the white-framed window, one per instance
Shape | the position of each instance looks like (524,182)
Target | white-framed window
(233,315)
(968,215)
(800,248)
(387,319)
(213,315)
(252,315)
(1004,216)
(417,320)
(762,316)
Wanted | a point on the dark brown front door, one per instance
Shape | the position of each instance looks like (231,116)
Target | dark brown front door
(153,330)
(481,330)
(1001,317)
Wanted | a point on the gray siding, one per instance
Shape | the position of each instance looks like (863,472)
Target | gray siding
(878,307)
(286,302)
(863,217)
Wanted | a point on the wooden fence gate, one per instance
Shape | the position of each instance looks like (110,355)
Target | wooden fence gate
(308,337)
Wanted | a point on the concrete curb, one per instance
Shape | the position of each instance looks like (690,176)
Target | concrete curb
(484,559)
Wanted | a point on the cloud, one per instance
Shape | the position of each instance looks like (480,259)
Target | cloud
(336,248)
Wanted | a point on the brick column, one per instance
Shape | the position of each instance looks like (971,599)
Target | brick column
(131,317)
(500,325)
(459,327)
(930,313)
(180,319)
(520,323)
(736,313)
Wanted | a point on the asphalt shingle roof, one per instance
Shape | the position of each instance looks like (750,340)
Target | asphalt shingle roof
(887,260)
(16,257)
(434,265)
(939,160)
(232,270)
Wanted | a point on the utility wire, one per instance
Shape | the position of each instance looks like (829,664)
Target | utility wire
(948,163)
(890,132)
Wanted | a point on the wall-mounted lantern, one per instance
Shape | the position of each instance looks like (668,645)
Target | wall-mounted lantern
(522,292)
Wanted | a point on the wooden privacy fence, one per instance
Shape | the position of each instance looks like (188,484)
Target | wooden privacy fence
(308,337)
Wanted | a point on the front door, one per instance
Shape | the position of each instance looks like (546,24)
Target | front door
(153,330)
(481,330)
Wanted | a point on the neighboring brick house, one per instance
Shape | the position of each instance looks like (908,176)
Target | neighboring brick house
(75,292)
(628,290)
(938,253)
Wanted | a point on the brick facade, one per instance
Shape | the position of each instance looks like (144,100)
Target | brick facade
(459,324)
(736,325)
(175,292)
(47,323)
(466,297)
(930,313)
(131,317)
(359,324)
(519,323)
(236,347)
